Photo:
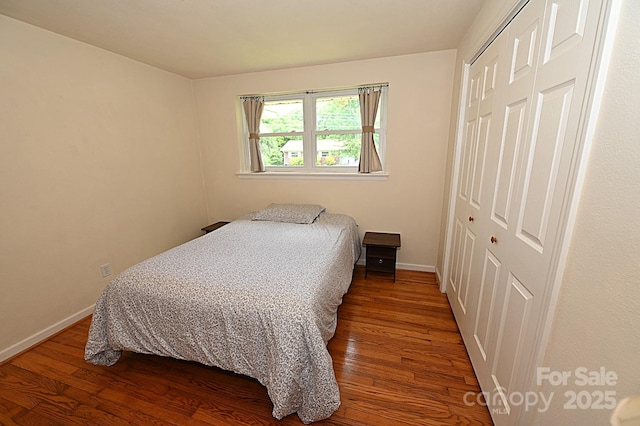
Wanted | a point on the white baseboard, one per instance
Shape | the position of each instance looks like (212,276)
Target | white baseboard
(413,267)
(406,266)
(44,334)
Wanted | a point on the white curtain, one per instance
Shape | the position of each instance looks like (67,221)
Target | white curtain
(369,159)
(253,111)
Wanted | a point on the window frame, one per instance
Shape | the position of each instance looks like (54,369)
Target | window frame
(310,133)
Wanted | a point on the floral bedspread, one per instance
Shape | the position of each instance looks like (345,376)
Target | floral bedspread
(253,297)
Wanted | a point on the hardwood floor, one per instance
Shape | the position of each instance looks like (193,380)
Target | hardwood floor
(397,353)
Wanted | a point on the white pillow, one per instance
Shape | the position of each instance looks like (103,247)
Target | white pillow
(290,213)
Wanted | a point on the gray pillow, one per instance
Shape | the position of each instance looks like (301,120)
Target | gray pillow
(290,213)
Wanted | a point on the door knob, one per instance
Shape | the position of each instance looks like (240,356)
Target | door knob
(493,240)
(471,219)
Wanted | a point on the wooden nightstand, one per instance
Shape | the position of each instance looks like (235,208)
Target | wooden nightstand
(214,226)
(381,252)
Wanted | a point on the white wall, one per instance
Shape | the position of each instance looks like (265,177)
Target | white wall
(99,162)
(409,202)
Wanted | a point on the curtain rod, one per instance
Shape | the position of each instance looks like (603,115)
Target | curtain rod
(373,87)
(337,89)
(333,89)
(252,98)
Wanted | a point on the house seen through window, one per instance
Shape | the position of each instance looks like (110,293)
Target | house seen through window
(314,131)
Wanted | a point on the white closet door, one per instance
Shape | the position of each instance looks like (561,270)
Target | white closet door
(473,200)
(464,237)
(504,262)
(506,295)
(548,156)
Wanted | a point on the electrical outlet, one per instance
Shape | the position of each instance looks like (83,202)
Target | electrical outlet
(105,269)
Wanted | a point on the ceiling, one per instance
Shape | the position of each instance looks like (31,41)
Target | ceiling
(206,38)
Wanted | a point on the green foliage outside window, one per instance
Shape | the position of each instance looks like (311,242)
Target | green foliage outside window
(337,119)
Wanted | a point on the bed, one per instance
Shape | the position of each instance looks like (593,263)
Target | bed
(258,297)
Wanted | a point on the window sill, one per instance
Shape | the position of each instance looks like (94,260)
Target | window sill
(321,176)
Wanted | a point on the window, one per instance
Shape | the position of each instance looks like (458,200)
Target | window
(315,132)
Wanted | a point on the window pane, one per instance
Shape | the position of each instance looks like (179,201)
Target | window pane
(338,149)
(335,131)
(282,117)
(338,113)
(281,151)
